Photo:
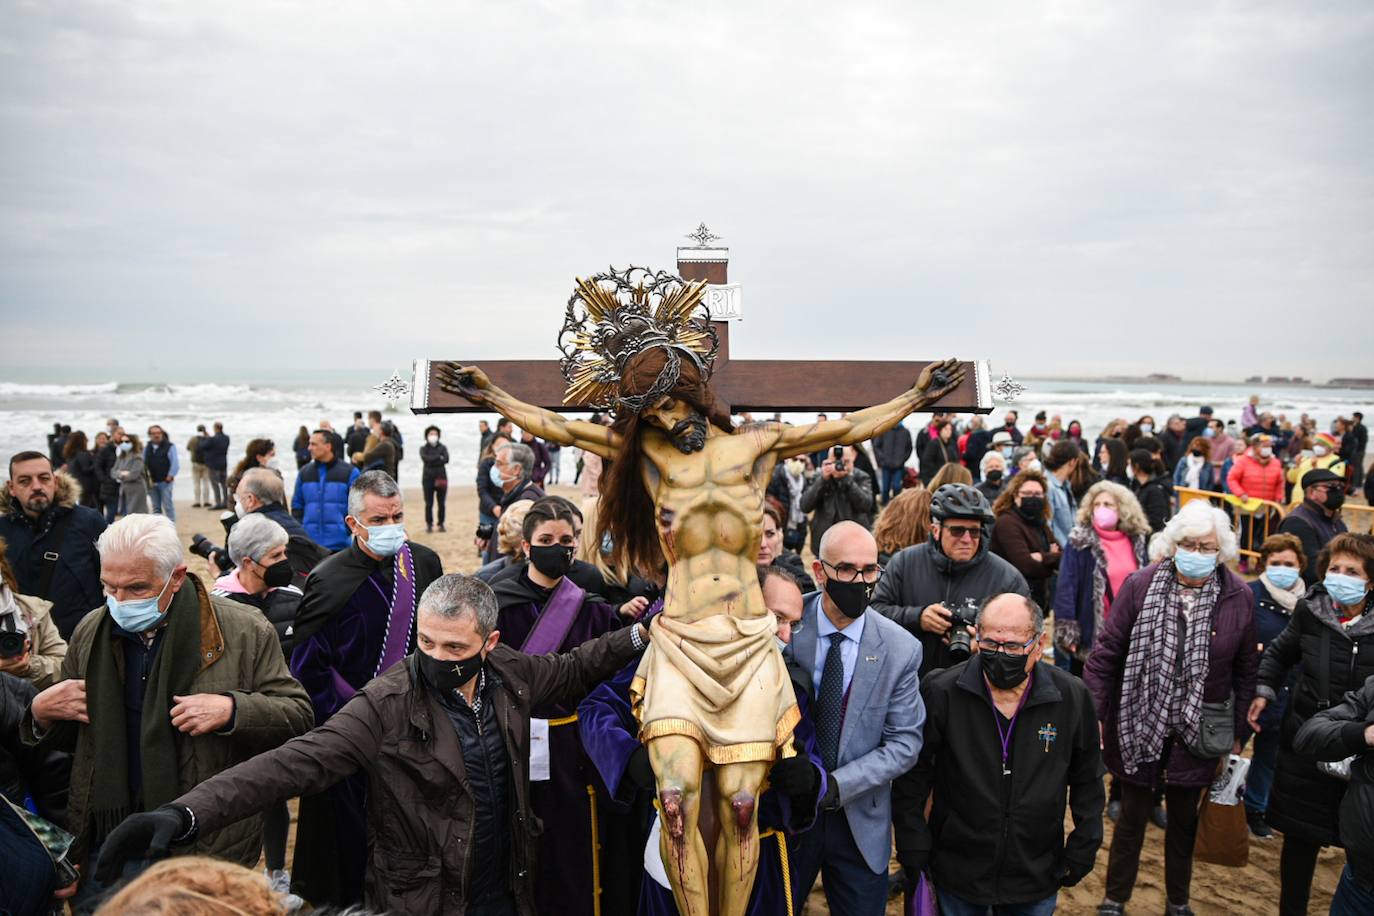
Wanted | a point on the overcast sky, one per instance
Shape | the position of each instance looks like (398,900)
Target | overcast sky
(1063,187)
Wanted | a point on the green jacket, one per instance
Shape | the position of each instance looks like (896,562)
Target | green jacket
(241,657)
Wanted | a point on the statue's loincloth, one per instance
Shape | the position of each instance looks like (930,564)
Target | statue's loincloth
(721,681)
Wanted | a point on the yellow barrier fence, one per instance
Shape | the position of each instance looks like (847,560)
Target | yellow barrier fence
(1358,518)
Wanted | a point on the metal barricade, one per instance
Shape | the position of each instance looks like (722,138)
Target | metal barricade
(1252,520)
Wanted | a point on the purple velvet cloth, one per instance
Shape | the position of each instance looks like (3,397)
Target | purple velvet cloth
(350,643)
(564,879)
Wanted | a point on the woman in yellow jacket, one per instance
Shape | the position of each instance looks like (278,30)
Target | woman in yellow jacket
(1324,454)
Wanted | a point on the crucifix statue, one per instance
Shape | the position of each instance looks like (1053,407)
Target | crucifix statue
(684,494)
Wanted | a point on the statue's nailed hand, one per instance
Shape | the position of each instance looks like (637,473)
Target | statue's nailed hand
(465,381)
(939,378)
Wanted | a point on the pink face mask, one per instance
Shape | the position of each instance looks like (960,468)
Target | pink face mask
(1105,517)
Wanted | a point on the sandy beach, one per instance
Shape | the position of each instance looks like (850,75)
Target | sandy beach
(1216,890)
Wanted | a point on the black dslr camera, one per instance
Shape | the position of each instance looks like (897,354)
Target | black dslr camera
(202,546)
(960,642)
(486,532)
(14,632)
(837,455)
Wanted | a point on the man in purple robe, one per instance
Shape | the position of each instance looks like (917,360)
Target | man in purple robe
(356,620)
(543,610)
(796,784)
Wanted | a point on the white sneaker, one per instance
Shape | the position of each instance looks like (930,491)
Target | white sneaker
(279,880)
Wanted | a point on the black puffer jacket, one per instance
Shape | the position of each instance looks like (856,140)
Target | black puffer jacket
(1303,801)
(1155,496)
(75,587)
(921,575)
(41,772)
(1335,734)
(279,606)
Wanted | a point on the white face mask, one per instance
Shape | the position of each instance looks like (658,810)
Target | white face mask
(273,463)
(1320,451)
(432,440)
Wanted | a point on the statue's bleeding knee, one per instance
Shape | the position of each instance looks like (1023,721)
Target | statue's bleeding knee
(743,806)
(671,799)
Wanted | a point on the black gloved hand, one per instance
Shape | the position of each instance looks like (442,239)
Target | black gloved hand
(1068,877)
(913,862)
(830,801)
(795,777)
(639,771)
(141,836)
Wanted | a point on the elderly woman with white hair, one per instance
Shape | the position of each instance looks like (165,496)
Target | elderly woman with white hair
(1172,674)
(992,473)
(204,677)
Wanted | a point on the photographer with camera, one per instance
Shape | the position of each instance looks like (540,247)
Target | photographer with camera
(839,493)
(30,646)
(929,588)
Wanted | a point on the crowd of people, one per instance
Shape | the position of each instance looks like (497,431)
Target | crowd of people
(467,743)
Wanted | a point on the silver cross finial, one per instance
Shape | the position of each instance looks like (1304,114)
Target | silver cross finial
(1008,389)
(394,389)
(703,236)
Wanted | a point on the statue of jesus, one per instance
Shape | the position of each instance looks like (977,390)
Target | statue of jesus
(686,489)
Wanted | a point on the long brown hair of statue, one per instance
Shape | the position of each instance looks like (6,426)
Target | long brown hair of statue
(627,507)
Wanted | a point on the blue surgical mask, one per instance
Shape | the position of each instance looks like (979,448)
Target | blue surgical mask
(139,615)
(495,475)
(1209,432)
(1346,591)
(1281,576)
(385,540)
(1195,565)
(1146,428)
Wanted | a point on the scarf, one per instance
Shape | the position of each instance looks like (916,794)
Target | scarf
(1286,598)
(176,665)
(796,518)
(1158,699)
(1192,477)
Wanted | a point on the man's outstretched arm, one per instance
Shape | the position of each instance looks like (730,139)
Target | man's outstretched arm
(936,380)
(472,383)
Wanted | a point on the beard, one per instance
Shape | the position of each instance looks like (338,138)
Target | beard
(689,435)
(38,503)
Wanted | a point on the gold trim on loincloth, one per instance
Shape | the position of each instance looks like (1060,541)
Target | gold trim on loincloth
(749,752)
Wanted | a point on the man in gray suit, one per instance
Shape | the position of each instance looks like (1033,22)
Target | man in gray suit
(867,707)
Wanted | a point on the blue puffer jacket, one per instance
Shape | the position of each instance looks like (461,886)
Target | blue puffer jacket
(320,501)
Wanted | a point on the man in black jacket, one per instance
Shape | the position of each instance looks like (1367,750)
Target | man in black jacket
(1315,521)
(214,451)
(995,836)
(1358,437)
(892,449)
(1334,734)
(840,492)
(50,540)
(923,585)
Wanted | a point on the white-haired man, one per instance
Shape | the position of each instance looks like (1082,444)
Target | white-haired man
(443,741)
(357,619)
(164,686)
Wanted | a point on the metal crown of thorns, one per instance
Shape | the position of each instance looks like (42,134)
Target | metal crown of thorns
(613,317)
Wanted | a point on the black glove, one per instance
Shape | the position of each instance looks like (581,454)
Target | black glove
(913,862)
(795,777)
(142,836)
(1068,877)
(830,801)
(639,772)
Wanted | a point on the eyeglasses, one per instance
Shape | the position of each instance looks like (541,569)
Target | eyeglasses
(848,572)
(1196,546)
(1009,648)
(960,532)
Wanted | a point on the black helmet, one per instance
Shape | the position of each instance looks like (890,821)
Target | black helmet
(959,500)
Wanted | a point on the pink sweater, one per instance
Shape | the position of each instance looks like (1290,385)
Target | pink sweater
(1121,562)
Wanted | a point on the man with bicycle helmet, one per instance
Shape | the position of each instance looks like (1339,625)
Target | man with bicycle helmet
(924,586)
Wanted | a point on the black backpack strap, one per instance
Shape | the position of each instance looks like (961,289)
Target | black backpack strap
(56,535)
(1324,670)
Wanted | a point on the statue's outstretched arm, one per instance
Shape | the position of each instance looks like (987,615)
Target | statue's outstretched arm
(936,380)
(472,383)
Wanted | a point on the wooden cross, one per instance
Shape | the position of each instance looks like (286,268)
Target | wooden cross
(762,385)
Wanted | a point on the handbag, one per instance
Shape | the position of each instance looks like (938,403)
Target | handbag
(1223,838)
(1216,731)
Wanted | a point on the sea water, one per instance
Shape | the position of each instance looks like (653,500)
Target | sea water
(276,404)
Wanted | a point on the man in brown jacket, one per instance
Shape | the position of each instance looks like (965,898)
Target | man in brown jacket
(444,736)
(163,687)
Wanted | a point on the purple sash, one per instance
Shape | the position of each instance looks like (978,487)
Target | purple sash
(557,618)
(402,613)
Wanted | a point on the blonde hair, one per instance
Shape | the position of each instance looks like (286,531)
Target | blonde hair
(1131,518)
(589,545)
(904,521)
(510,530)
(195,886)
(950,472)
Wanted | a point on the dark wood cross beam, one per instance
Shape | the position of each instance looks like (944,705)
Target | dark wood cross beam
(754,385)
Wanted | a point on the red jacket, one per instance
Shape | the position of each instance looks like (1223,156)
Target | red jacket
(1249,478)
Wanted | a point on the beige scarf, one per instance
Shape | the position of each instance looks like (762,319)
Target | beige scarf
(1286,598)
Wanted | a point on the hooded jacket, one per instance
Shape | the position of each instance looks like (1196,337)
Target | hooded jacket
(75,587)
(921,575)
(1304,801)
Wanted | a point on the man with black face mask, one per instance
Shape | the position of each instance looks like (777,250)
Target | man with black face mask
(925,584)
(995,835)
(542,610)
(867,710)
(443,738)
(1317,519)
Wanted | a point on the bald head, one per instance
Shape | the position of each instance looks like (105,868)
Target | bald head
(1010,614)
(848,542)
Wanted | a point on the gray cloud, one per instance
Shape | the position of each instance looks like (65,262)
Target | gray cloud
(1064,187)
